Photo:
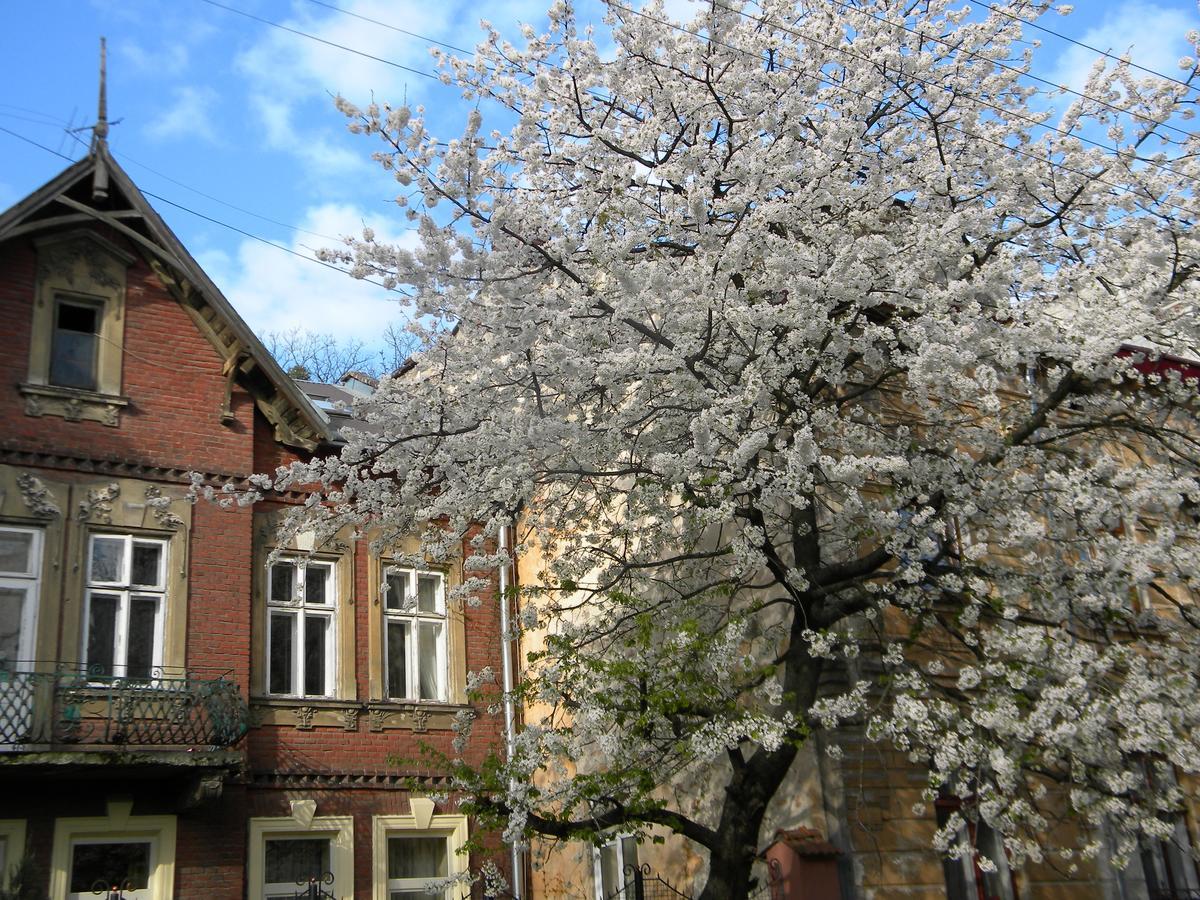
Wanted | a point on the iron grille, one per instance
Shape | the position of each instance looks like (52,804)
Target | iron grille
(315,888)
(54,704)
(642,884)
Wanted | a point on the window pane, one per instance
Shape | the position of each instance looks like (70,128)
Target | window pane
(147,564)
(316,578)
(12,608)
(397,657)
(953,870)
(102,633)
(428,591)
(283,583)
(279,680)
(428,668)
(296,860)
(610,870)
(629,855)
(108,560)
(998,883)
(315,628)
(143,620)
(1179,858)
(417,857)
(15,547)
(98,867)
(397,590)
(73,347)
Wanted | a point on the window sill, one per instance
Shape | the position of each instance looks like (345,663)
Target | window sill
(73,404)
(308,713)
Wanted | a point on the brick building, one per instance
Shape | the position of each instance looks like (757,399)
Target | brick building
(177,717)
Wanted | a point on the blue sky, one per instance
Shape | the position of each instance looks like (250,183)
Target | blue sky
(220,111)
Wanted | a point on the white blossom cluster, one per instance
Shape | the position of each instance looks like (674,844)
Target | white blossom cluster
(803,342)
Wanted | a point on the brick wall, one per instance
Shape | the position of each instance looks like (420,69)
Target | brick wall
(170,372)
(173,378)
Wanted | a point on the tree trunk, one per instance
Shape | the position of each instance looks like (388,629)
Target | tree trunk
(746,798)
(752,786)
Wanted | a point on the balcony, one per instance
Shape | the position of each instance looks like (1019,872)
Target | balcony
(56,707)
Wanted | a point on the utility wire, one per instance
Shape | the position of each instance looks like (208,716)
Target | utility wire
(215,221)
(844,4)
(395,28)
(1030,120)
(207,196)
(9,115)
(248,212)
(263,240)
(836,86)
(312,37)
(1104,53)
(71,133)
(22,137)
(321,40)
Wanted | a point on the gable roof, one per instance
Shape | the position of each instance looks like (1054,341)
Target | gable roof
(97,190)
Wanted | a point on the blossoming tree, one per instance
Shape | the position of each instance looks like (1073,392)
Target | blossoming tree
(798,336)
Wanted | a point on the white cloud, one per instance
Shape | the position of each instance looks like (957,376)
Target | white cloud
(681,10)
(276,291)
(290,68)
(291,79)
(317,150)
(169,59)
(189,116)
(1152,34)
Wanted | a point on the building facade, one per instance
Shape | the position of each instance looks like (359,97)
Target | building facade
(183,711)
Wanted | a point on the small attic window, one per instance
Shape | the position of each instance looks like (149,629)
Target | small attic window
(74,344)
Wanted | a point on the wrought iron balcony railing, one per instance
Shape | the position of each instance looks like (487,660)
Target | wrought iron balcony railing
(55,705)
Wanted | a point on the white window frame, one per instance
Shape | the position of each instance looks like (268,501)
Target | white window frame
(451,827)
(408,613)
(617,841)
(115,828)
(299,610)
(339,830)
(125,591)
(29,582)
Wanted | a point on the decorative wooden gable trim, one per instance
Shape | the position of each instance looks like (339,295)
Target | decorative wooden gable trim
(246,361)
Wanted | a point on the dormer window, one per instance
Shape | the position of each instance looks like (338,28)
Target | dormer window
(78,329)
(74,343)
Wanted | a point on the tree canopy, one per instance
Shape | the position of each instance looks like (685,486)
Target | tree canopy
(808,344)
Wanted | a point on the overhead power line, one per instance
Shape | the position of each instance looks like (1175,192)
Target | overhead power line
(1030,120)
(321,40)
(950,125)
(999,63)
(214,199)
(396,28)
(71,133)
(207,218)
(1104,53)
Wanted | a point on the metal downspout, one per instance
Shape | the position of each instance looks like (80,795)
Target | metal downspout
(510,712)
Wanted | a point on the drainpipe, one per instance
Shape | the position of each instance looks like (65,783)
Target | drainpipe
(510,712)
